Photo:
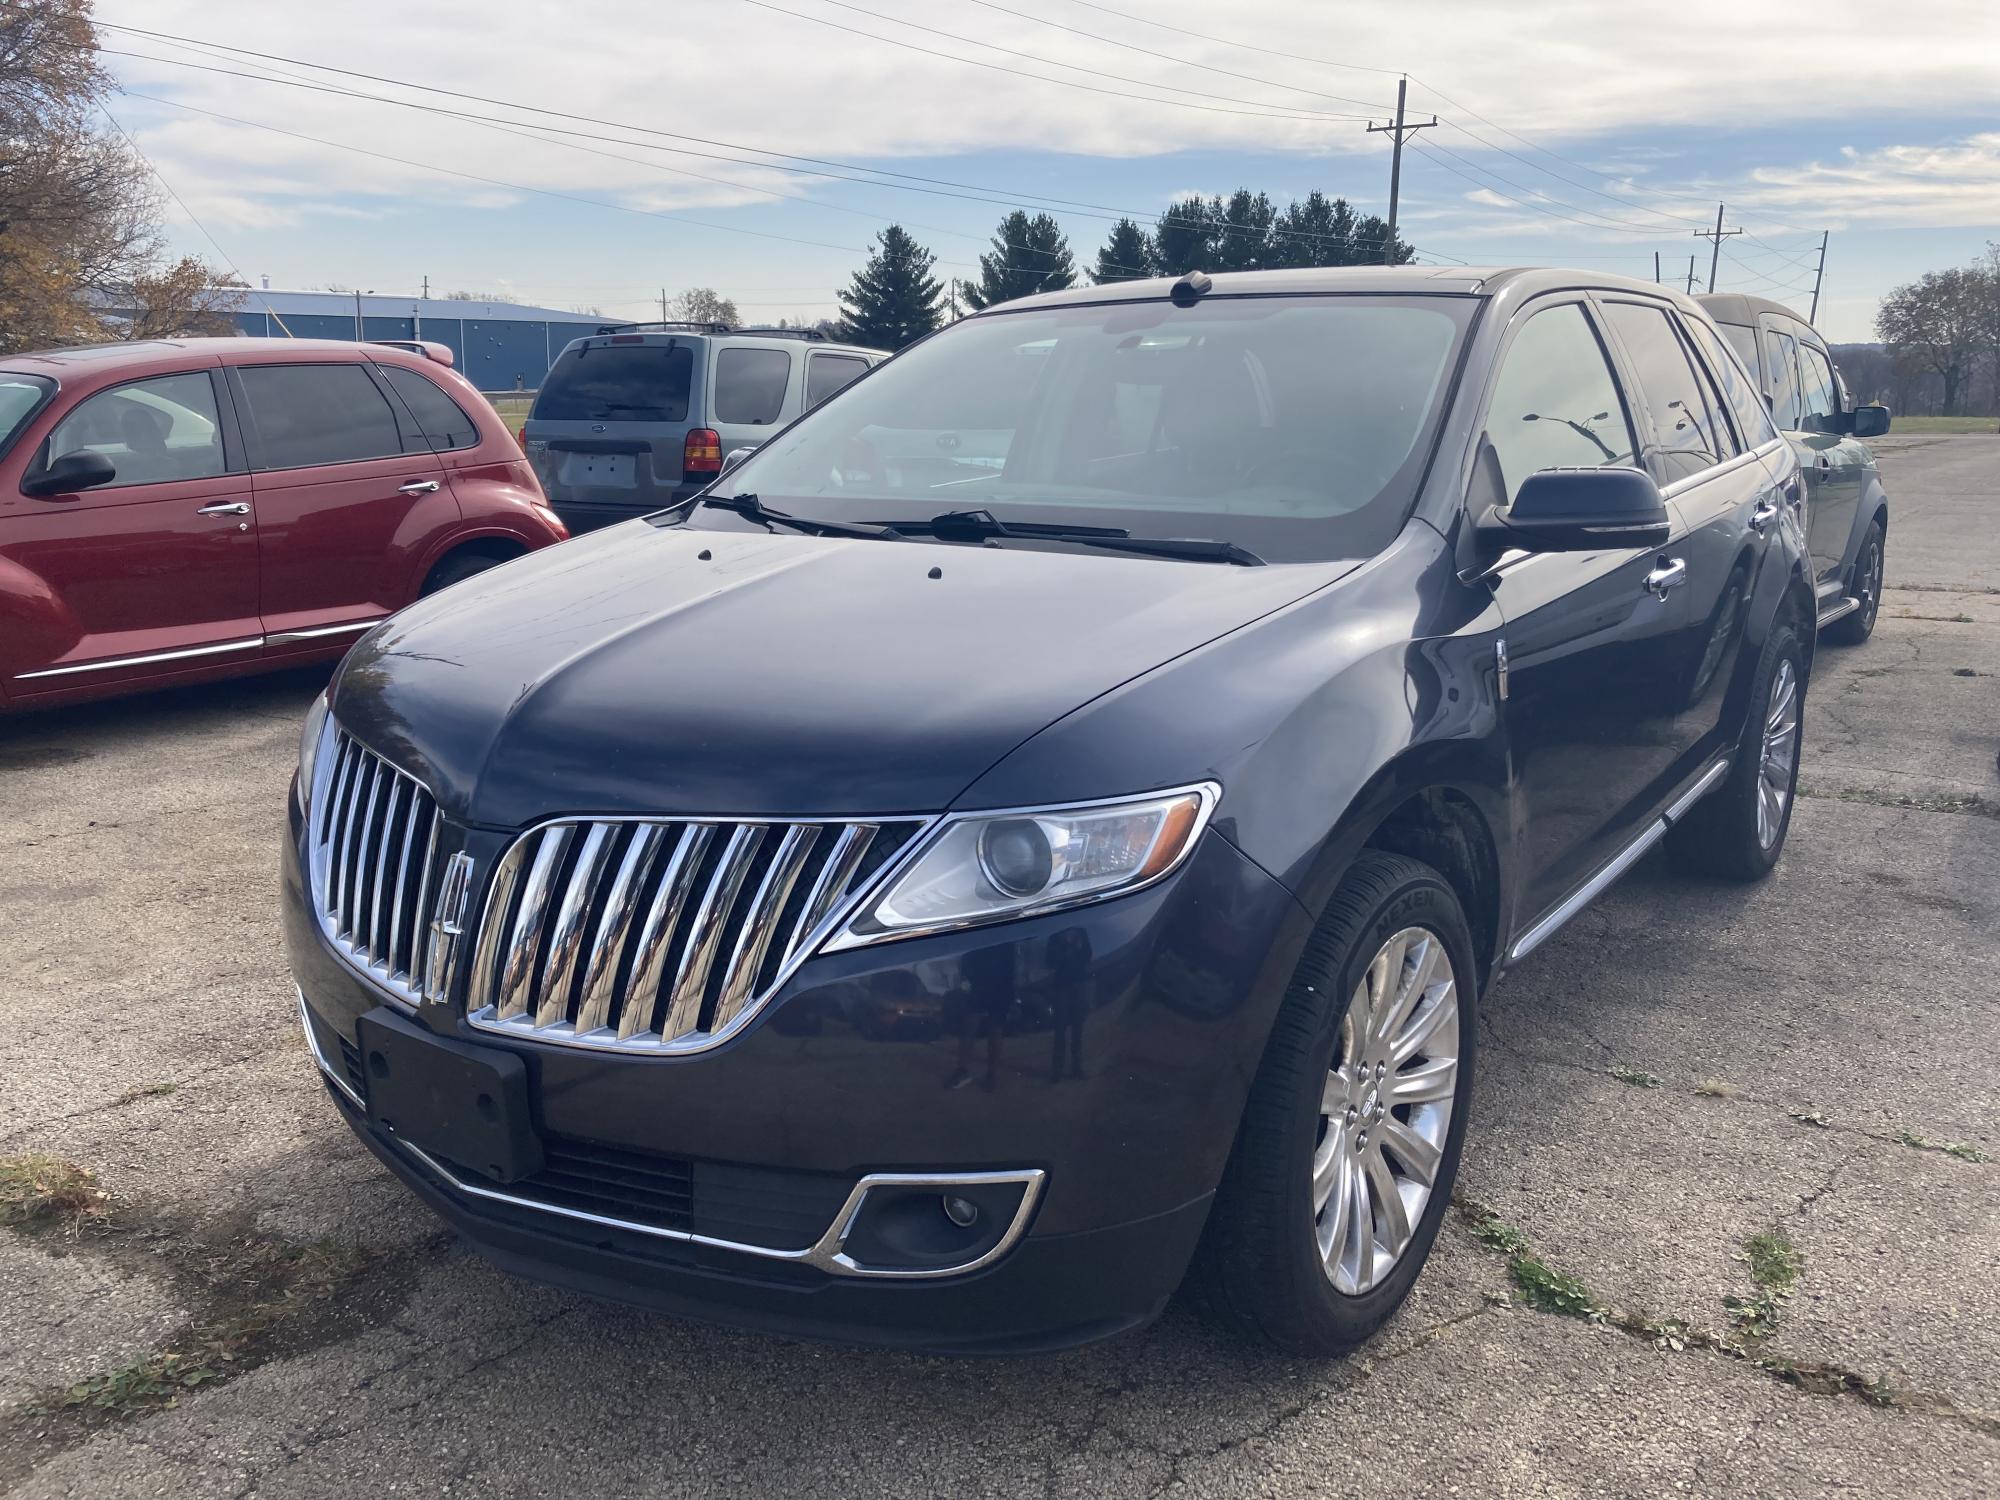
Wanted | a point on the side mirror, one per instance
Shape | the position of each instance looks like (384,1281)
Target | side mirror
(81,470)
(734,457)
(1580,510)
(1870,421)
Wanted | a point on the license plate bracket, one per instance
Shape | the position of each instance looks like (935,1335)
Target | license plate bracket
(465,1104)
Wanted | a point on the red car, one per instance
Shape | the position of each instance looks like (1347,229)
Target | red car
(177,511)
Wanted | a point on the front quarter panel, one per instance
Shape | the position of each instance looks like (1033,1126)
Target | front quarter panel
(1316,720)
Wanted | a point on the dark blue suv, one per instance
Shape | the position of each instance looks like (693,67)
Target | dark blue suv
(1045,819)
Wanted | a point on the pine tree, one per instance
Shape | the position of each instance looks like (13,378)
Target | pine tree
(1369,235)
(1029,256)
(1126,256)
(1242,232)
(1183,240)
(1318,231)
(893,300)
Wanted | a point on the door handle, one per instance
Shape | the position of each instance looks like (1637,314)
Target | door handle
(418,487)
(1825,463)
(1668,576)
(1763,516)
(225,508)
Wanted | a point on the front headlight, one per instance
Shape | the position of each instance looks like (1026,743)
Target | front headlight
(995,866)
(309,738)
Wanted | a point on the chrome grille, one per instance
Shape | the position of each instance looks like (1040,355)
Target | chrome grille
(374,848)
(656,934)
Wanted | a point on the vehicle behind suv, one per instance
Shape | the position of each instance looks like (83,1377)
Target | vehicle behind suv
(1847,511)
(640,416)
(1057,805)
(192,508)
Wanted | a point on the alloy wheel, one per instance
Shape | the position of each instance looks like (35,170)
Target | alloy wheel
(1385,1110)
(1869,577)
(1780,755)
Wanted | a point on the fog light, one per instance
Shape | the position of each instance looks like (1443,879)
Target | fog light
(961,1211)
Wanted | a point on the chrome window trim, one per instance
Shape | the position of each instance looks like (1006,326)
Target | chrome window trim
(843,941)
(492,947)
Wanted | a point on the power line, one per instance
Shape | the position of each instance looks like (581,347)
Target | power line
(1715,237)
(911,183)
(1261,113)
(1169,57)
(971,193)
(160,177)
(1397,132)
(1203,36)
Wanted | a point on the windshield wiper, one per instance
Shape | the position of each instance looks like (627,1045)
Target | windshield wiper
(751,508)
(972,525)
(975,525)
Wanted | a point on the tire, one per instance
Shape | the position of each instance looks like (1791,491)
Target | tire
(1738,830)
(1261,1267)
(1866,586)
(458,567)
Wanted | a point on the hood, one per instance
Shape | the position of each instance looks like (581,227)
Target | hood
(670,670)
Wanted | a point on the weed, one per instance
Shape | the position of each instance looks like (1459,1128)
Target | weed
(1716,1088)
(1950,1148)
(1775,1266)
(1495,1234)
(1813,1118)
(1638,1078)
(38,1188)
(1543,1287)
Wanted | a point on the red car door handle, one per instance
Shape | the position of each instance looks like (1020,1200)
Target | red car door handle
(225,508)
(418,487)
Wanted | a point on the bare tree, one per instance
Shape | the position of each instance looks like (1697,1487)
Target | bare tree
(183,300)
(702,304)
(1935,322)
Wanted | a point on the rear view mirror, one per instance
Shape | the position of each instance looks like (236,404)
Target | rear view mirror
(1870,421)
(81,470)
(734,457)
(1580,510)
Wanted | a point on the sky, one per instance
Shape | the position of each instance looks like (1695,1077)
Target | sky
(758,146)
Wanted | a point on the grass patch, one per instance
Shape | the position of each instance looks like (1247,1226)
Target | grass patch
(1944,424)
(1542,1286)
(1949,1148)
(276,1281)
(1716,1088)
(1775,1267)
(1637,1077)
(47,1189)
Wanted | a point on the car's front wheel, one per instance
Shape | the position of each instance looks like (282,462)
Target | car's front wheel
(1343,1165)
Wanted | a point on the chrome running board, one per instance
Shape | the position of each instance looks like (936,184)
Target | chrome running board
(1618,864)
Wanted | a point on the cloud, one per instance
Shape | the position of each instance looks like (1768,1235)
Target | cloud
(1952,183)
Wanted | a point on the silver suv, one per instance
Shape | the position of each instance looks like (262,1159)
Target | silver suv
(639,416)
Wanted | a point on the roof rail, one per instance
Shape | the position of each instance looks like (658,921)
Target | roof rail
(665,327)
(430,349)
(768,332)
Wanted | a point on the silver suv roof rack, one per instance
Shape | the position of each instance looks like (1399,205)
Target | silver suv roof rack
(667,327)
(767,332)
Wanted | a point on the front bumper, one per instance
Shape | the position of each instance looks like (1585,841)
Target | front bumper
(602,509)
(1122,1090)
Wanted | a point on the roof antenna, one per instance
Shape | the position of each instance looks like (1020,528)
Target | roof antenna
(1189,289)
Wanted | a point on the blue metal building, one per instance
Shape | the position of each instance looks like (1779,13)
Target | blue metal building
(500,346)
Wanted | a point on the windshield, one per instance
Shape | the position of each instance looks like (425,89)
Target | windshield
(1293,426)
(20,397)
(617,383)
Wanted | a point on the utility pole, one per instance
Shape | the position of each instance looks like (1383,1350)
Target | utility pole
(1396,133)
(1690,276)
(1656,268)
(427,289)
(1819,271)
(663,304)
(357,317)
(1715,237)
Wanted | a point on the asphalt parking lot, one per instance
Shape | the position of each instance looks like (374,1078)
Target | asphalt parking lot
(1684,1068)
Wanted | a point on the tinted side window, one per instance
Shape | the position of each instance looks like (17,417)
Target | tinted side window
(153,431)
(827,373)
(318,414)
(1726,445)
(443,421)
(1781,359)
(1819,401)
(617,383)
(750,384)
(1737,388)
(1555,404)
(1682,421)
(1743,339)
